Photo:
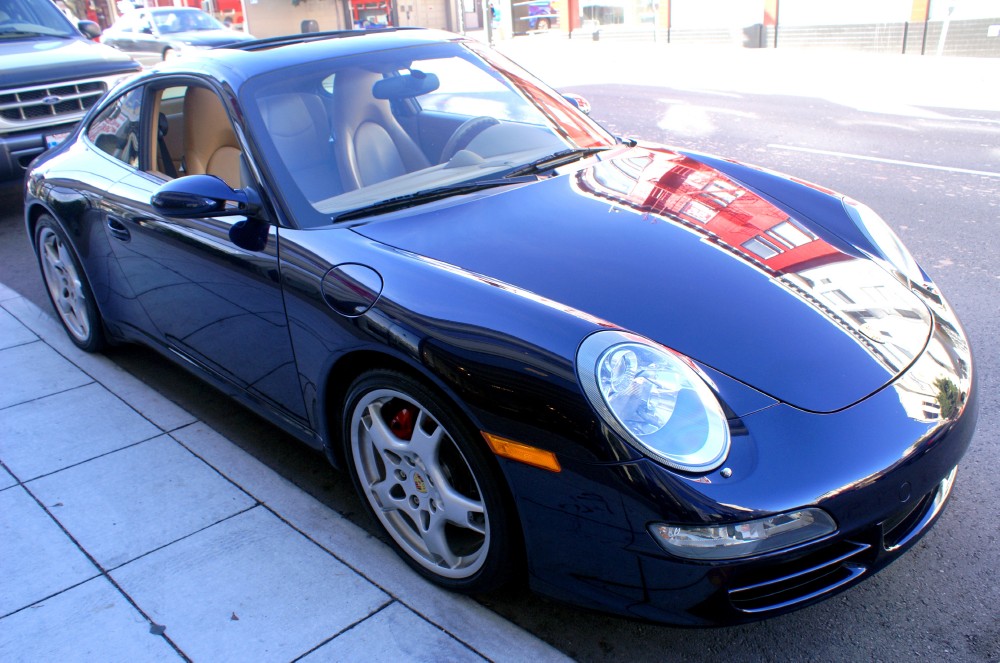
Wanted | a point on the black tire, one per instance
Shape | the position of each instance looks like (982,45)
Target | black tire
(67,285)
(426,478)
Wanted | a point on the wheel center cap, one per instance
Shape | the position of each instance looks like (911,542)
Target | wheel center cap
(419,483)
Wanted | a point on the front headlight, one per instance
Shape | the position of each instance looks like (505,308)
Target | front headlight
(654,400)
(742,539)
(885,240)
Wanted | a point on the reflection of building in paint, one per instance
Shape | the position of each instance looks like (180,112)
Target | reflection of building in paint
(849,291)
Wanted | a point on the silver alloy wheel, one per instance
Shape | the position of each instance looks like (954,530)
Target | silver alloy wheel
(63,282)
(423,489)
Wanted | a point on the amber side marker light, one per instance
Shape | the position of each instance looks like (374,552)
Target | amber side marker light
(523,453)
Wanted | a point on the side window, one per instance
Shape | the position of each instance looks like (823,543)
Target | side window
(116,129)
(168,144)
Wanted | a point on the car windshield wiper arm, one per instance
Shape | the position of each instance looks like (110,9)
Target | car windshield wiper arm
(427,196)
(17,32)
(560,158)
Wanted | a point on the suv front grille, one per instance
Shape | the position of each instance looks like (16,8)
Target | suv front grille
(63,102)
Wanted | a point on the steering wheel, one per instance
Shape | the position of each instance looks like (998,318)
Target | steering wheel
(464,135)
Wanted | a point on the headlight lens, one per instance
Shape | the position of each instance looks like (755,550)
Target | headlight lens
(654,399)
(750,537)
(881,235)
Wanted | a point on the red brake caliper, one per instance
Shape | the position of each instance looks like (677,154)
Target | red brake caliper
(402,424)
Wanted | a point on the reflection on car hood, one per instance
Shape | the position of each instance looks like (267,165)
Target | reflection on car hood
(668,247)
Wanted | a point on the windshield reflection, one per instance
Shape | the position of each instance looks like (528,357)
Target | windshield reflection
(345,133)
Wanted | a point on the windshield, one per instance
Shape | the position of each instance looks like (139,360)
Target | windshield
(33,17)
(342,134)
(184,20)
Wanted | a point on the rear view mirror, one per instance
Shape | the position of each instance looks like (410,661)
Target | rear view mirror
(405,86)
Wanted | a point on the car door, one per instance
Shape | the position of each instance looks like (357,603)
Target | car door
(217,306)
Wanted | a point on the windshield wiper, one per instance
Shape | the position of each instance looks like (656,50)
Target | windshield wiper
(551,161)
(16,32)
(427,196)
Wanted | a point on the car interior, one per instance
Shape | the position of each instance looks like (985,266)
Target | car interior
(341,140)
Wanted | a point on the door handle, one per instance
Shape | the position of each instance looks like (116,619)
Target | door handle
(118,229)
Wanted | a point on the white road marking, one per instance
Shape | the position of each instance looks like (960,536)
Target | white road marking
(894,162)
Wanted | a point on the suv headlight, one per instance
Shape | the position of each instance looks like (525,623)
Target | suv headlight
(654,399)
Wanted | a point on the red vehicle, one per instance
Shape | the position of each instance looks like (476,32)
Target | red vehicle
(371,14)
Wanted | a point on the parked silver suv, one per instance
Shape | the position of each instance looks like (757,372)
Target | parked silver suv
(53,72)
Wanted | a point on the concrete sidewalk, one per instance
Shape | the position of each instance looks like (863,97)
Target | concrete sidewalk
(129,531)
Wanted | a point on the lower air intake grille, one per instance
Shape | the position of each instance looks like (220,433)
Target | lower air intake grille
(801,580)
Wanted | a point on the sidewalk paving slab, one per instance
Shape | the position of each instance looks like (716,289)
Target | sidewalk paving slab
(131,531)
(248,589)
(89,622)
(392,635)
(123,505)
(35,370)
(50,433)
(37,558)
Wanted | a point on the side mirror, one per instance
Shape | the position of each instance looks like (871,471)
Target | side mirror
(89,29)
(200,196)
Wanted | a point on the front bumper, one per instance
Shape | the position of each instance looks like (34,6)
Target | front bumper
(17,150)
(876,467)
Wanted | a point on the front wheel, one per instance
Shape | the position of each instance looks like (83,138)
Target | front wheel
(67,286)
(429,483)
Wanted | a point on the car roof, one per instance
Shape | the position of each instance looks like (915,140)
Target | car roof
(238,62)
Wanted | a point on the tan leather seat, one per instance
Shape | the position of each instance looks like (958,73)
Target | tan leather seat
(371,146)
(300,130)
(210,145)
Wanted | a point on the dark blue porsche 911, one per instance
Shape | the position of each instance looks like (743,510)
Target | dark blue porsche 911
(649,381)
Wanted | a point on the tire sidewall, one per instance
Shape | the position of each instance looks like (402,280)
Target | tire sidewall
(502,556)
(95,341)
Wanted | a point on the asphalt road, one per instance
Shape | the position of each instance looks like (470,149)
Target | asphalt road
(934,174)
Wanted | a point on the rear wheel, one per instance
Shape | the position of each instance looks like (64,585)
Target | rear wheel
(67,286)
(429,483)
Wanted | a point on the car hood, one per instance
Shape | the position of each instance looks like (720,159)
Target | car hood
(208,37)
(41,60)
(668,247)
